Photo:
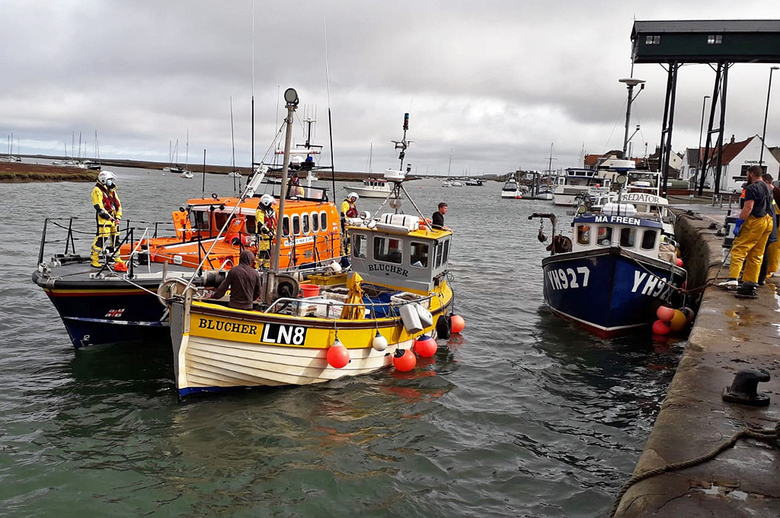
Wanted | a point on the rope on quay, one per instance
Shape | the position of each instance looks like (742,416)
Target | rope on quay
(765,435)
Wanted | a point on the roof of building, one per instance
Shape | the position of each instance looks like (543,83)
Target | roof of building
(704,26)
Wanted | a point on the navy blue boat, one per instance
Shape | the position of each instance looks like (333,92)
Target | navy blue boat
(614,272)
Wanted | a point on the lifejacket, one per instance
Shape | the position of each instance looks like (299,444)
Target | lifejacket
(235,233)
(352,212)
(181,223)
(265,222)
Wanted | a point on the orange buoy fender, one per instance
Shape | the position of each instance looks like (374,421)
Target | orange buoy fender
(338,355)
(425,346)
(664,313)
(660,328)
(457,323)
(404,360)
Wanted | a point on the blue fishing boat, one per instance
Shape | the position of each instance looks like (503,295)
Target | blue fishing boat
(613,272)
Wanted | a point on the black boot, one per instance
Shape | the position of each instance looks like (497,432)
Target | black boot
(747,290)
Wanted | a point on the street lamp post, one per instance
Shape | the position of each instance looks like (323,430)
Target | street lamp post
(698,150)
(630,83)
(766,113)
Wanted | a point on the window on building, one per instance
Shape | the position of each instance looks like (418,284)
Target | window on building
(653,40)
(714,39)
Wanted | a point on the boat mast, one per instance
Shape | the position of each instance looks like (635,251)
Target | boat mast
(403,143)
(291,98)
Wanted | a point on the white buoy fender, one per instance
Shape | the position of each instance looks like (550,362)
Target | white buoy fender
(411,318)
(426,319)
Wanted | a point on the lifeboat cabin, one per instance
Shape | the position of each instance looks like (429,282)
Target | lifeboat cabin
(311,232)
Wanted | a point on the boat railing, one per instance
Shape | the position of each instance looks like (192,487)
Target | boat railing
(72,229)
(389,309)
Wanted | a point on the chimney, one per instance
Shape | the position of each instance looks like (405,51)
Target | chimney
(732,139)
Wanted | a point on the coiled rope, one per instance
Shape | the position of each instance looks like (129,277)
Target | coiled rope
(765,435)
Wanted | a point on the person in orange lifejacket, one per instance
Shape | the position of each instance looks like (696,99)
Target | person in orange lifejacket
(349,207)
(108,213)
(265,228)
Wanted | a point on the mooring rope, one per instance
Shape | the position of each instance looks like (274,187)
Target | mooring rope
(765,435)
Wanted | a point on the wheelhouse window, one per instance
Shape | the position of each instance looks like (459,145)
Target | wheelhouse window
(305,223)
(648,239)
(286,226)
(628,237)
(324,221)
(199,219)
(315,222)
(605,236)
(654,39)
(583,234)
(220,218)
(296,220)
(419,252)
(714,39)
(359,245)
(388,250)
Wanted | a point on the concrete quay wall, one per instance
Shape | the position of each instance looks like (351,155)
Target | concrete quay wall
(728,335)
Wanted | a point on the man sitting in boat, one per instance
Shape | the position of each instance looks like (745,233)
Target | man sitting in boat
(295,190)
(265,221)
(243,282)
(108,213)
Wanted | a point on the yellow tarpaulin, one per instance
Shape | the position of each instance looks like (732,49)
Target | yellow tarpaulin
(355,296)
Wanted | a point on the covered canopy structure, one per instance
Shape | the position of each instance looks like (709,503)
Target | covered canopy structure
(719,43)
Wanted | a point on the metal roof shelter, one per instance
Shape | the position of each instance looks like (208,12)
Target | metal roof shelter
(721,43)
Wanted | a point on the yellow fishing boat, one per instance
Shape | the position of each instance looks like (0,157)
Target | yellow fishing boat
(395,299)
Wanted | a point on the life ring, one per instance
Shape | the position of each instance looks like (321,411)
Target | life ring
(173,288)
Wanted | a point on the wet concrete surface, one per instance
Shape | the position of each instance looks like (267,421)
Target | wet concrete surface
(729,335)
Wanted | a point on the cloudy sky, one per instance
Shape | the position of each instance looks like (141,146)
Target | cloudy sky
(494,84)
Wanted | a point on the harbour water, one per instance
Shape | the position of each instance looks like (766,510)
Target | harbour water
(521,415)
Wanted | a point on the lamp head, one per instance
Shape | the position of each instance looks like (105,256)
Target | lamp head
(632,81)
(291,96)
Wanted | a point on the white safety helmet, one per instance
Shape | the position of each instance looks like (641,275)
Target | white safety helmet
(353,195)
(267,200)
(107,178)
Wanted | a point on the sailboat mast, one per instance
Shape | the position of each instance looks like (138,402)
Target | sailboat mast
(549,165)
(291,97)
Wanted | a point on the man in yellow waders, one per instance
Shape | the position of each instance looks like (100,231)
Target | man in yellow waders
(108,213)
(265,223)
(752,229)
